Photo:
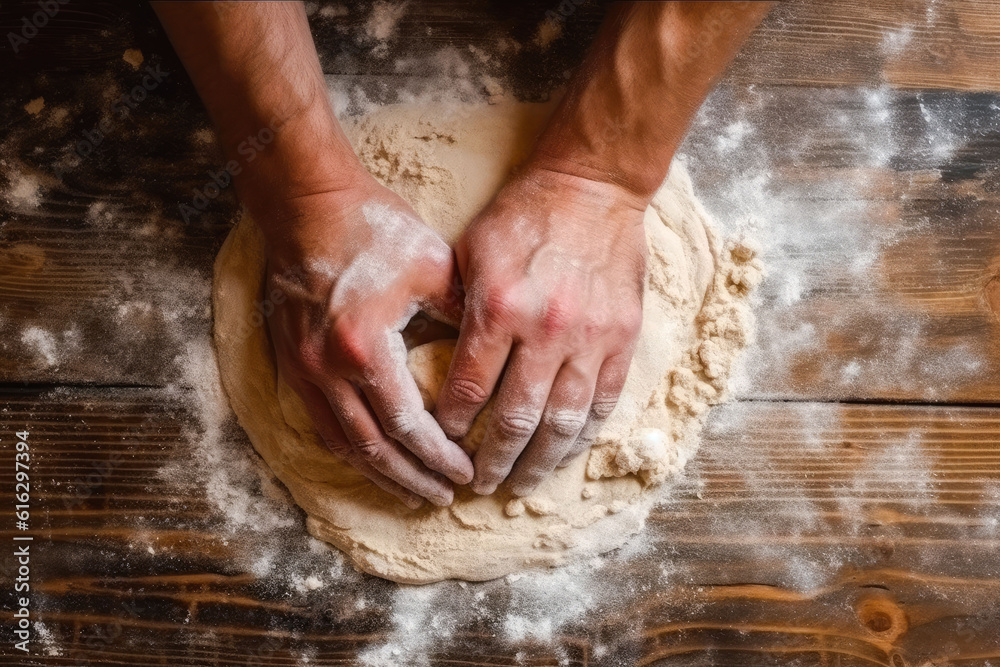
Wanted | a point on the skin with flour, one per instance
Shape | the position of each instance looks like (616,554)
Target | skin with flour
(536,311)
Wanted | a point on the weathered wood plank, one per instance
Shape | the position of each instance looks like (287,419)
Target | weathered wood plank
(801,533)
(877,213)
(905,43)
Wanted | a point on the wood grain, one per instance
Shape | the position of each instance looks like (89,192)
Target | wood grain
(877,213)
(802,532)
(904,43)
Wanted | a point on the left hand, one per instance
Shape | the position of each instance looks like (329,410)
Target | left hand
(554,269)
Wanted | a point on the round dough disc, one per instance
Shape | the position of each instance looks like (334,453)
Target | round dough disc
(447,160)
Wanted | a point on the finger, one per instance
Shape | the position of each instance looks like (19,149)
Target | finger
(610,381)
(516,414)
(393,395)
(478,361)
(564,417)
(333,437)
(379,452)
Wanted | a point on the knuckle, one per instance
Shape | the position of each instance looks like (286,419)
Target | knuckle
(400,426)
(352,345)
(498,308)
(603,406)
(467,392)
(558,317)
(593,329)
(630,323)
(516,425)
(565,423)
(371,451)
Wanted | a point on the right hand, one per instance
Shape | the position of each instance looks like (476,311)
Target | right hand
(353,265)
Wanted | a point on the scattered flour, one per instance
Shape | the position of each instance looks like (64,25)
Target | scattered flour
(227,472)
(381,24)
(204,136)
(894,42)
(417,624)
(24,190)
(100,214)
(830,236)
(48,347)
(49,642)
(43,343)
(532,610)
(383,19)
(333,11)
(549,30)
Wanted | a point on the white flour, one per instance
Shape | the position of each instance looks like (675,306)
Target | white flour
(829,235)
(24,191)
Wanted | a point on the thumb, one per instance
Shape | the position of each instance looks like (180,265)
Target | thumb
(444,291)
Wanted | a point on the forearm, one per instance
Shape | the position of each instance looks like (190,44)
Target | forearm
(630,103)
(255,67)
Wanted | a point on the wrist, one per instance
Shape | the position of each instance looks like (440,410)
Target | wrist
(578,167)
(584,197)
(630,151)
(297,226)
(286,161)
(628,107)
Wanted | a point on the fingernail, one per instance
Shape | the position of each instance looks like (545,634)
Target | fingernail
(482,488)
(442,501)
(453,431)
(414,503)
(464,476)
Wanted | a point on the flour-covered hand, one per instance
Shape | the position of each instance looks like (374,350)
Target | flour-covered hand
(554,270)
(353,266)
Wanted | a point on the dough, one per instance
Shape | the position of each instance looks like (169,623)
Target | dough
(447,160)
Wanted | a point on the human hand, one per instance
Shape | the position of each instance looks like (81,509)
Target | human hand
(354,265)
(554,269)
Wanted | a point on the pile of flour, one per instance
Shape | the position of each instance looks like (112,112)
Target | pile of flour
(448,160)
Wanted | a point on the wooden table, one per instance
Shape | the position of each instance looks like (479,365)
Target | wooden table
(844,508)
